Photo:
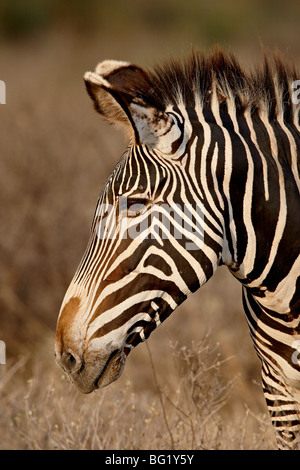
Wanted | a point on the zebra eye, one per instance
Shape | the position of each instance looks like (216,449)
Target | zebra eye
(136,206)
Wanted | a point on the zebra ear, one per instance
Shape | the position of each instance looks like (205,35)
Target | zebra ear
(122,95)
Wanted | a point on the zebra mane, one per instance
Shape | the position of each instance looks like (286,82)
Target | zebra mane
(188,83)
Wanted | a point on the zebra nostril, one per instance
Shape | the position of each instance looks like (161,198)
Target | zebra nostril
(70,361)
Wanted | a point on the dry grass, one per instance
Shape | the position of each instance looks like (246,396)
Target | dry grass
(205,391)
(45,412)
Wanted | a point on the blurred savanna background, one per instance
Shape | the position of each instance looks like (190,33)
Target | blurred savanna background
(196,383)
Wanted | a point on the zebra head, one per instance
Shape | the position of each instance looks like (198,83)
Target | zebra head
(155,238)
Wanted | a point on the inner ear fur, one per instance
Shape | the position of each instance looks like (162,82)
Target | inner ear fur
(121,93)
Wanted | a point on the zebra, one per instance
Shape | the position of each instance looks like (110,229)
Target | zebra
(210,177)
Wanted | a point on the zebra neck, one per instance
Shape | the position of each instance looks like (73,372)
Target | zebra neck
(256,184)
